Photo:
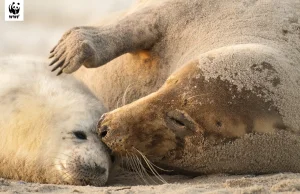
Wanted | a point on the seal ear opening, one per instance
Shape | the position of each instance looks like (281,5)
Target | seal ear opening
(181,123)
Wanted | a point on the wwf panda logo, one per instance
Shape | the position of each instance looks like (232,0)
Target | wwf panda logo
(14,8)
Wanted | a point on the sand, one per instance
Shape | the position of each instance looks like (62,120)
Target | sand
(284,182)
(45,22)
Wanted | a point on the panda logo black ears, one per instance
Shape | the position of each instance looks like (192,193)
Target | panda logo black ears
(14,8)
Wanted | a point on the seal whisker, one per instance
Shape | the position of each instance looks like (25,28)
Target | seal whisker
(152,169)
(132,161)
(122,160)
(63,176)
(125,162)
(144,171)
(155,173)
(129,164)
(159,167)
(59,153)
(124,95)
(139,169)
(134,164)
(56,158)
(118,105)
(66,177)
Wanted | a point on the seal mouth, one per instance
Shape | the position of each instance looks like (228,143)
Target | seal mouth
(81,173)
(112,158)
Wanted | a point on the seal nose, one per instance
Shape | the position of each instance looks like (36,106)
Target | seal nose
(92,175)
(102,129)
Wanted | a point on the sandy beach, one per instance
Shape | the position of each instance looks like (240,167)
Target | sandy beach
(276,183)
(44,23)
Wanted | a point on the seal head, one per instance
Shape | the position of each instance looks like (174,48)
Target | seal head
(48,127)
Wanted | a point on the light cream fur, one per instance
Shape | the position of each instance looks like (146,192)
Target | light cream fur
(39,113)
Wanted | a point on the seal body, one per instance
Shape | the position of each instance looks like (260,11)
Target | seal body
(47,126)
(210,86)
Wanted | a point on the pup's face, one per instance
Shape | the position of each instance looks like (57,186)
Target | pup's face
(83,159)
(72,146)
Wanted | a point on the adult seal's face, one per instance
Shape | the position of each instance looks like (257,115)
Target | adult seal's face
(188,114)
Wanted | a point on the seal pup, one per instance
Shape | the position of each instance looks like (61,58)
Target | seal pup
(48,126)
(214,85)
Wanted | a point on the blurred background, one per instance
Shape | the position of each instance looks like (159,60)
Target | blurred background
(46,21)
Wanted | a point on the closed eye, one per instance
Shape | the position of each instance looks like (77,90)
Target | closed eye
(80,135)
(180,123)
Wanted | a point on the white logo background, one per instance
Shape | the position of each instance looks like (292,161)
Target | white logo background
(14,17)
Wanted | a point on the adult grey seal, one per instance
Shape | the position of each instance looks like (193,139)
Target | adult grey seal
(214,85)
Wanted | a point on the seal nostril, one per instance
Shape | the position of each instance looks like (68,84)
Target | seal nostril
(219,123)
(103,133)
(104,130)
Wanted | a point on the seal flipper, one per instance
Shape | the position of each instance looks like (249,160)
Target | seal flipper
(95,46)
